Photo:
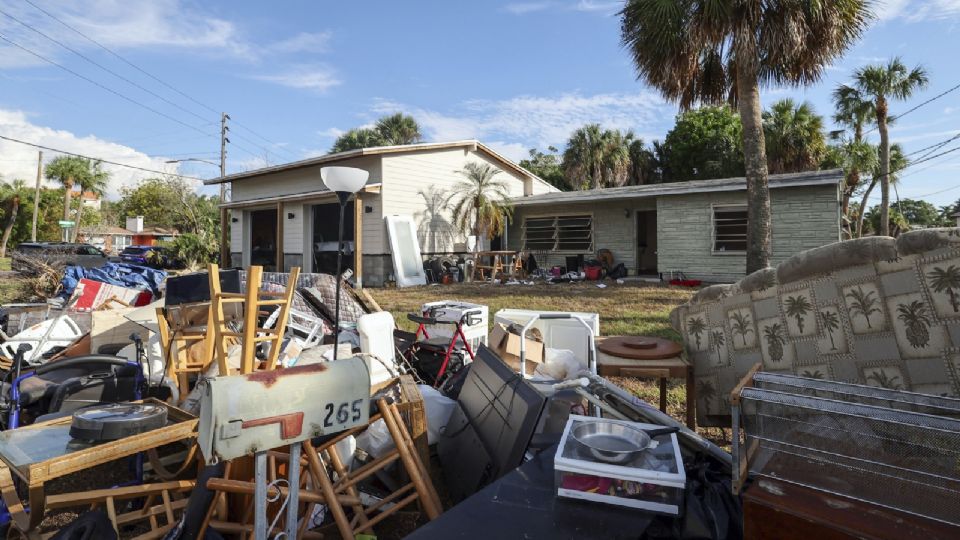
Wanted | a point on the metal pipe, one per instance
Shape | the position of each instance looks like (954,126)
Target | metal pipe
(260,496)
(293,502)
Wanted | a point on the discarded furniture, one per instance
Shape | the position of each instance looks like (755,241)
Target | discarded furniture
(376,343)
(439,358)
(45,451)
(455,310)
(850,442)
(405,247)
(186,342)
(643,357)
(501,262)
(524,499)
(564,333)
(43,337)
(254,301)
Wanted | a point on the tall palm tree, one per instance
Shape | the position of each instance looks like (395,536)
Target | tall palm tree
(643,163)
(597,157)
(68,171)
(480,203)
(794,135)
(898,162)
(398,129)
(96,183)
(882,83)
(853,110)
(12,194)
(357,138)
(714,50)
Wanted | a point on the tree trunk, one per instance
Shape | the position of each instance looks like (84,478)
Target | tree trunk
(853,181)
(863,207)
(884,167)
(11,219)
(755,159)
(76,226)
(68,187)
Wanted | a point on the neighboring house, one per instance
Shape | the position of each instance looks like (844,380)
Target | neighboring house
(956,216)
(90,200)
(698,228)
(111,240)
(283,216)
(149,236)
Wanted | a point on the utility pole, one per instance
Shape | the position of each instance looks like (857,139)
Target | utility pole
(36,196)
(224,222)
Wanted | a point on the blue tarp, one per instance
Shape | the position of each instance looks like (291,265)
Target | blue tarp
(124,275)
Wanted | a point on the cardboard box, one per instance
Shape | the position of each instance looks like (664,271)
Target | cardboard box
(507,346)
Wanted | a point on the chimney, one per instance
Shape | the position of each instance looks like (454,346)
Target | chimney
(527,186)
(135,224)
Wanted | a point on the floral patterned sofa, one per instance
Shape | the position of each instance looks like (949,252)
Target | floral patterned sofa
(876,311)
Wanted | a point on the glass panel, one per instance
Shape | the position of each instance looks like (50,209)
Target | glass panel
(729,229)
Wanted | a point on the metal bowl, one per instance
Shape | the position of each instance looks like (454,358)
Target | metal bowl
(610,442)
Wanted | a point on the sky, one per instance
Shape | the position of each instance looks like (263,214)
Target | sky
(293,75)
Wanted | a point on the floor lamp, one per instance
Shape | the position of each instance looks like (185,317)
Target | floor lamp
(344,181)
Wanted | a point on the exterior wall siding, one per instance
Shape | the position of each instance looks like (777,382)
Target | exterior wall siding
(802,218)
(297,181)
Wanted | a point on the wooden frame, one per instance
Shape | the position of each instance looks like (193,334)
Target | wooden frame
(35,475)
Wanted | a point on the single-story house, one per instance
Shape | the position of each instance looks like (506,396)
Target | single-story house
(110,239)
(956,216)
(283,216)
(698,228)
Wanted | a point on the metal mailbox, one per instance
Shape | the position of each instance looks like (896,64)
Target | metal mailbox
(244,414)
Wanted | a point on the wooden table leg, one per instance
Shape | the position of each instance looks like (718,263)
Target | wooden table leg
(663,394)
(691,400)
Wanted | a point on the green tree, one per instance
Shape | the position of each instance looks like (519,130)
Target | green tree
(357,138)
(710,51)
(883,83)
(920,213)
(794,135)
(398,129)
(644,166)
(480,203)
(597,157)
(11,196)
(704,143)
(853,110)
(94,182)
(152,198)
(546,165)
(68,171)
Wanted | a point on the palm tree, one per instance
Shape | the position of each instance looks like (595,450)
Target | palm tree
(741,325)
(357,138)
(643,163)
(96,183)
(914,315)
(713,51)
(480,204)
(898,162)
(794,135)
(853,110)
(718,342)
(596,157)
(885,381)
(863,303)
(815,374)
(68,171)
(947,280)
(435,232)
(892,81)
(831,323)
(797,307)
(13,194)
(697,327)
(398,129)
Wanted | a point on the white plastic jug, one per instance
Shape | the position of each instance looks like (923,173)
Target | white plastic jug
(376,339)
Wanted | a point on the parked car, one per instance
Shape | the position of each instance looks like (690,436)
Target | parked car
(83,255)
(153,256)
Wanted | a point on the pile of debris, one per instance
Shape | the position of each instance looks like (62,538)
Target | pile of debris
(242,408)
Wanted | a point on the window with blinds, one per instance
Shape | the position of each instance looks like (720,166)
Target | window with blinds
(729,229)
(561,233)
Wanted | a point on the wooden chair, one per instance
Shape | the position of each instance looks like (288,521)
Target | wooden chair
(186,342)
(254,303)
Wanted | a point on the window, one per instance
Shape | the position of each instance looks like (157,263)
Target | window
(561,233)
(729,229)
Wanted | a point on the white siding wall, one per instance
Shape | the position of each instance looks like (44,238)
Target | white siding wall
(236,231)
(296,181)
(405,175)
(293,240)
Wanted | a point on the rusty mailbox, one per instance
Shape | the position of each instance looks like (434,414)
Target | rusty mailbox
(244,414)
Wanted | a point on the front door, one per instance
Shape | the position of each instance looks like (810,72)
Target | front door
(263,239)
(647,243)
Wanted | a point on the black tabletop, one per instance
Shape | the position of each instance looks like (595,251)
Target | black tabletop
(523,504)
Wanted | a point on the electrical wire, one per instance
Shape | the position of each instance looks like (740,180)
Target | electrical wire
(95,83)
(927,102)
(40,146)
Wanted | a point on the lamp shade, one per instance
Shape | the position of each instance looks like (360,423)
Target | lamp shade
(346,179)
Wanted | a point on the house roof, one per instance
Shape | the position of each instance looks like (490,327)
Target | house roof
(955,214)
(378,151)
(813,178)
(157,231)
(106,229)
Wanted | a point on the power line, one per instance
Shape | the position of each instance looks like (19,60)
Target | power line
(148,74)
(41,147)
(108,89)
(108,70)
(927,102)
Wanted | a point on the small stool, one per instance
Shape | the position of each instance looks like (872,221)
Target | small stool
(646,356)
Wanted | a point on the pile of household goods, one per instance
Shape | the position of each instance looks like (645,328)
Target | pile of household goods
(510,267)
(242,409)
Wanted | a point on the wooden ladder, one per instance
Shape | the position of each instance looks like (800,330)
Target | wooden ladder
(255,303)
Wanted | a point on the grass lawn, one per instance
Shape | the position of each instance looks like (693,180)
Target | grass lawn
(13,288)
(629,309)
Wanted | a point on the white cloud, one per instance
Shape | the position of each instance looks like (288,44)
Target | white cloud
(18,161)
(332,132)
(538,121)
(918,10)
(593,5)
(522,8)
(317,78)
(304,42)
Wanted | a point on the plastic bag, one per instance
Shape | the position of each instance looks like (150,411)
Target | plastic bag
(559,365)
(376,440)
(438,408)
